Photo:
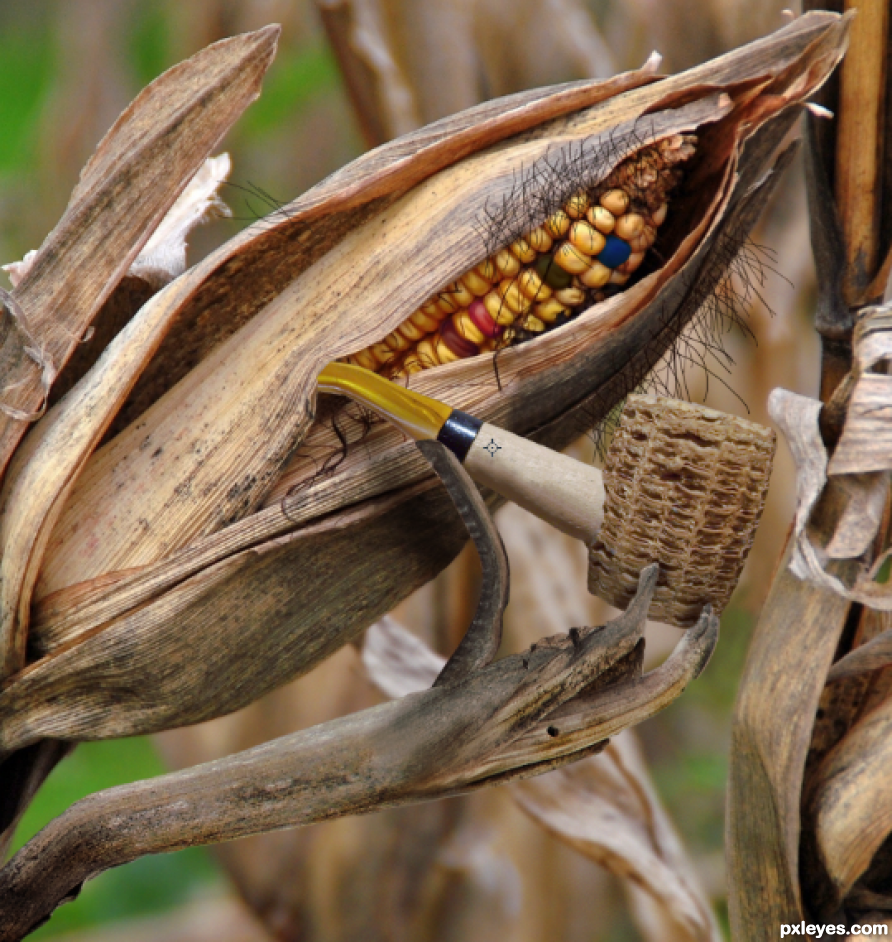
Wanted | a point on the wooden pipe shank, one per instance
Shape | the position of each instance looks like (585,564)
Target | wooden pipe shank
(562,491)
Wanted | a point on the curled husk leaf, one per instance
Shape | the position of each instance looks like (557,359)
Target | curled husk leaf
(198,559)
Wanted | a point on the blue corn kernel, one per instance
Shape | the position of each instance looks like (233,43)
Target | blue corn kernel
(615,253)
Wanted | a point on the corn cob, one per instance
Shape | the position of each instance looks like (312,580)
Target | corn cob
(583,252)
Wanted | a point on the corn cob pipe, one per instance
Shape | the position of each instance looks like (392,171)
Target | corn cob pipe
(683,485)
(584,250)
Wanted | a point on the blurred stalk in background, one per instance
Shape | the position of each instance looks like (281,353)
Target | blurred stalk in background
(475,865)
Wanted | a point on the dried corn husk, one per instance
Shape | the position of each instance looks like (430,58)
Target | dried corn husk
(170,579)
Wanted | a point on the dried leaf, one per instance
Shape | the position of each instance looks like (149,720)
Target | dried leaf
(154,148)
(852,805)
(605,807)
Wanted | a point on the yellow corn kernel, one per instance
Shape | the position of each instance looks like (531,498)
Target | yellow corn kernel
(446,304)
(618,278)
(570,297)
(586,238)
(549,311)
(459,293)
(497,309)
(539,239)
(629,226)
(397,342)
(426,353)
(381,352)
(444,354)
(411,331)
(365,359)
(615,201)
(597,276)
(602,219)
(487,269)
(533,324)
(411,364)
(659,217)
(425,321)
(431,309)
(509,291)
(532,286)
(467,328)
(475,284)
(576,206)
(557,224)
(570,258)
(506,263)
(523,251)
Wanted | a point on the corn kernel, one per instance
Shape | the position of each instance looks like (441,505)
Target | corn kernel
(508,266)
(570,297)
(602,219)
(532,286)
(487,269)
(549,311)
(424,321)
(446,304)
(411,364)
(570,258)
(411,331)
(533,324)
(459,293)
(597,276)
(586,238)
(618,278)
(431,309)
(381,352)
(632,264)
(615,201)
(365,359)
(629,226)
(426,353)
(509,291)
(557,224)
(475,284)
(498,310)
(443,353)
(467,328)
(576,206)
(539,240)
(523,251)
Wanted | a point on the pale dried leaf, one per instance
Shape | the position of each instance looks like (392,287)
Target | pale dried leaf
(396,661)
(797,417)
(163,257)
(605,807)
(18,270)
(866,441)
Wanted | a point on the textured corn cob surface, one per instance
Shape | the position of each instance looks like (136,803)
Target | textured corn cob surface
(685,487)
(585,251)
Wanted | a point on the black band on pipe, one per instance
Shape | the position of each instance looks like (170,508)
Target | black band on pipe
(458,433)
